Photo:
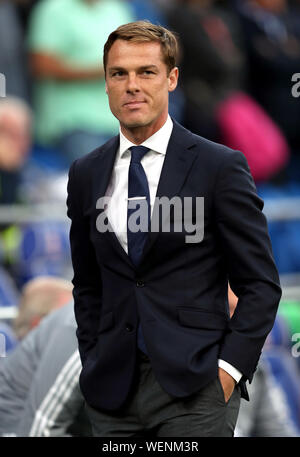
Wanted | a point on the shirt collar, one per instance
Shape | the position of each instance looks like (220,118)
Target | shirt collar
(158,142)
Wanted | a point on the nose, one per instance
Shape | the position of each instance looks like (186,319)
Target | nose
(132,84)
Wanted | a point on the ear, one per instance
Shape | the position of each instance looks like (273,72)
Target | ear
(106,87)
(173,79)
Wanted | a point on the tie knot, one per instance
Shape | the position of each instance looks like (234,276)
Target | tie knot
(137,153)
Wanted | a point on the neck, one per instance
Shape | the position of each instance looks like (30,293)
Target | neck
(137,135)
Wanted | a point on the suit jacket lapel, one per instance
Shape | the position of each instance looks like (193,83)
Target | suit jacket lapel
(106,164)
(177,164)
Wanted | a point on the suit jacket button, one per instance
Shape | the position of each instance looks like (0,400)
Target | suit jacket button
(140,283)
(129,327)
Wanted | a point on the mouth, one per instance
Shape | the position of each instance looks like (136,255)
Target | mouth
(134,104)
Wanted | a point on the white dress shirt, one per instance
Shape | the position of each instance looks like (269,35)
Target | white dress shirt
(117,190)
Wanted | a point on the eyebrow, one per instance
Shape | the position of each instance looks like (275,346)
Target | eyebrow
(143,68)
(148,67)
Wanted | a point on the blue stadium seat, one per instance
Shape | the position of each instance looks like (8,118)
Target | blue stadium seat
(9,294)
(8,340)
(279,335)
(284,234)
(44,250)
(145,9)
(286,381)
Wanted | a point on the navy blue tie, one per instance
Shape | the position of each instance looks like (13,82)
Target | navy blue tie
(139,199)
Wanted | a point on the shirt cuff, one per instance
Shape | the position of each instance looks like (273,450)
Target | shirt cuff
(236,374)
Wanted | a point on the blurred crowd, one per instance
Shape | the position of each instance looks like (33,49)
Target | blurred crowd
(239,68)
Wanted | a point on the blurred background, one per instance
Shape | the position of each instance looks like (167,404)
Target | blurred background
(239,85)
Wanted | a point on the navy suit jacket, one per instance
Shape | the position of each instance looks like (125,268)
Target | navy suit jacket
(179,290)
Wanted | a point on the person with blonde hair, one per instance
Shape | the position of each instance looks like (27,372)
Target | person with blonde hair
(39,297)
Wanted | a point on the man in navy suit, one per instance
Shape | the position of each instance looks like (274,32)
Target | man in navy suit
(159,351)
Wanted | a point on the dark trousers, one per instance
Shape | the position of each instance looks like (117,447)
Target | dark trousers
(149,410)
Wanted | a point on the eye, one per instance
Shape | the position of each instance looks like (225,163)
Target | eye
(117,73)
(148,72)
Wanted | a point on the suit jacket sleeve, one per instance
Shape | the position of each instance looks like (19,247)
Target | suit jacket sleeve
(252,273)
(87,290)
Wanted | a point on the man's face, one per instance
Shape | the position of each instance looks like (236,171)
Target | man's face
(138,85)
(14,140)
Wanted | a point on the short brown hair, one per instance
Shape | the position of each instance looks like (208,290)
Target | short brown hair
(141,31)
